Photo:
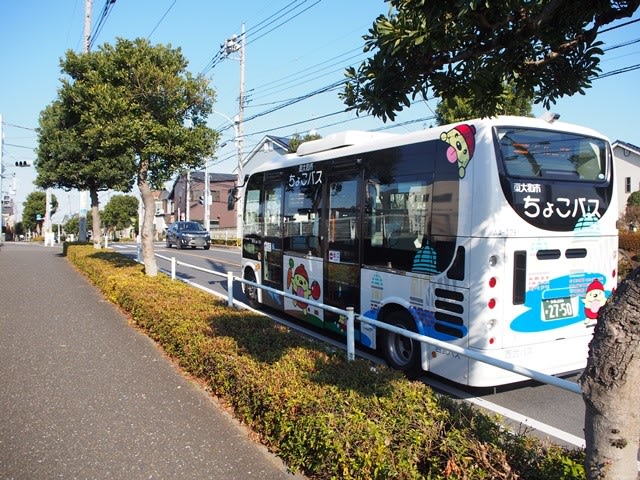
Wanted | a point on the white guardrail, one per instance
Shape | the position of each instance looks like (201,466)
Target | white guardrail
(350,316)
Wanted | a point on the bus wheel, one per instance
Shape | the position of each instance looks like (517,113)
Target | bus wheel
(400,352)
(249,290)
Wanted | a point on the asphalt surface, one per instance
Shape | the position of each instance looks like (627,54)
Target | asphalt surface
(84,395)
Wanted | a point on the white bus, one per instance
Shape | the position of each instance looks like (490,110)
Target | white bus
(497,235)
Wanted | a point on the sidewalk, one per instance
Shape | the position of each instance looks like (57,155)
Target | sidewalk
(85,395)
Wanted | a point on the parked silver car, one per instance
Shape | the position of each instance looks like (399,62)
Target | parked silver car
(188,234)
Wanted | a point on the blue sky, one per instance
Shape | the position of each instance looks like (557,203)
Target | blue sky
(293,48)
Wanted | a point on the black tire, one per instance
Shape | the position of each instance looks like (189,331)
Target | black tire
(179,244)
(250,291)
(168,243)
(400,352)
(206,247)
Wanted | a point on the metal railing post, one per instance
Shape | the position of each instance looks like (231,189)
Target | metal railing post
(230,289)
(351,346)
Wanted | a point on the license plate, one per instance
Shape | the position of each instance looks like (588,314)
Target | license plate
(557,308)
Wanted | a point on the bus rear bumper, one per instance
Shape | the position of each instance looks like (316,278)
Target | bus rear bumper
(562,356)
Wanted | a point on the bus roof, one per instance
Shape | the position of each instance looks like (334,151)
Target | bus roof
(356,141)
(339,140)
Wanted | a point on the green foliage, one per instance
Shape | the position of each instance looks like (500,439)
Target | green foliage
(147,107)
(34,205)
(634,199)
(456,109)
(125,113)
(73,224)
(296,140)
(468,49)
(120,212)
(323,416)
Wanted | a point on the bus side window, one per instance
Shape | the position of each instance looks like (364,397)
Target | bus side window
(252,213)
(302,219)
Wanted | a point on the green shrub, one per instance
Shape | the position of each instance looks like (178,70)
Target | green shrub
(322,415)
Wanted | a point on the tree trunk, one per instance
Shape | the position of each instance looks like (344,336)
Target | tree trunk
(611,387)
(148,255)
(96,236)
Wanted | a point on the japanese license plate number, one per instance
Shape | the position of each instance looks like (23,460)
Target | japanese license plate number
(557,308)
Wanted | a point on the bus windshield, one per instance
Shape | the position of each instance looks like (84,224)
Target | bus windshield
(551,154)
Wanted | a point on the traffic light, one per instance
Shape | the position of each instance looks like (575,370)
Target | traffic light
(22,163)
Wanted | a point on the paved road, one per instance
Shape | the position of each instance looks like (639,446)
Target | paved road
(85,395)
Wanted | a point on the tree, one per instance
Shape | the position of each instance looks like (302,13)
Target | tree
(72,227)
(634,199)
(145,112)
(296,140)
(468,48)
(34,209)
(120,212)
(610,387)
(631,216)
(71,153)
(546,49)
(457,108)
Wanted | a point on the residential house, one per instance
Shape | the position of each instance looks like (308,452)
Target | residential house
(627,171)
(264,151)
(192,205)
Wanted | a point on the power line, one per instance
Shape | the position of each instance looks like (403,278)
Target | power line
(17,146)
(620,45)
(106,10)
(161,19)
(618,26)
(284,22)
(284,84)
(619,71)
(257,28)
(283,12)
(18,126)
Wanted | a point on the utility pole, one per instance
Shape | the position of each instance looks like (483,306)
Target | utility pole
(1,194)
(187,197)
(84,195)
(236,45)
(48,233)
(207,197)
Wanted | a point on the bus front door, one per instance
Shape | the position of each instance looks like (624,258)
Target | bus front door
(342,252)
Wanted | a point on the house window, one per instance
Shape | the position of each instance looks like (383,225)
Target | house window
(215,195)
(627,185)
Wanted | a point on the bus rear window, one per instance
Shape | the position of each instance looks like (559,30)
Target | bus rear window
(532,153)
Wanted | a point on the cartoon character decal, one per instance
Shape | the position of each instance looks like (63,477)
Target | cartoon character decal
(586,288)
(298,282)
(462,144)
(594,299)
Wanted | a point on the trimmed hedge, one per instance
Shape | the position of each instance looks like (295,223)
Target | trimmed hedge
(324,416)
(629,241)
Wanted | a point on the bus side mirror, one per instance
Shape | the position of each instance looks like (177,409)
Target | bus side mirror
(232,198)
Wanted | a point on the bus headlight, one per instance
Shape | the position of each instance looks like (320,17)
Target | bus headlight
(493,260)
